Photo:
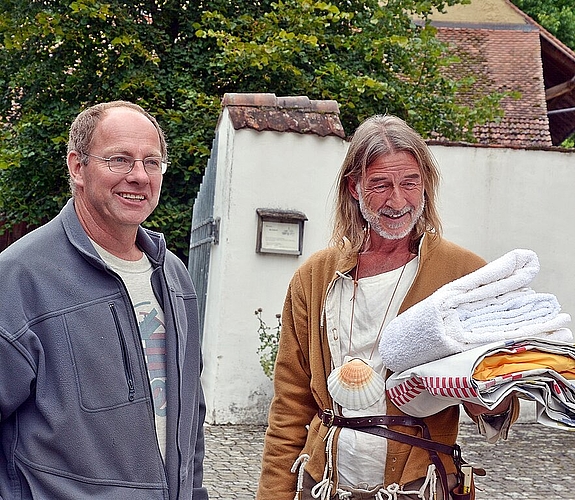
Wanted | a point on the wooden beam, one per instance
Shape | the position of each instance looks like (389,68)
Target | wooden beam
(558,90)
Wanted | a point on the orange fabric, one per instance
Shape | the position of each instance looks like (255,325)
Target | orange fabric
(507,363)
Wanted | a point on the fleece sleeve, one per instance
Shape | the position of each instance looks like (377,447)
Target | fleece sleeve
(17,374)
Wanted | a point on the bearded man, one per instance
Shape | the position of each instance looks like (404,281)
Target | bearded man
(386,254)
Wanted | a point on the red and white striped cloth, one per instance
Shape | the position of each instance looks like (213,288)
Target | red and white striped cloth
(429,388)
(458,388)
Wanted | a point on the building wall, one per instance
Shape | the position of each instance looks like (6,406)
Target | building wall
(276,170)
(492,200)
(481,11)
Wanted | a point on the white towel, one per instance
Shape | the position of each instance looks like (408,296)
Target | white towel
(513,271)
(488,305)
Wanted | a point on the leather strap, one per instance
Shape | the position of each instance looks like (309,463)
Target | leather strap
(420,442)
(371,425)
(328,418)
(432,448)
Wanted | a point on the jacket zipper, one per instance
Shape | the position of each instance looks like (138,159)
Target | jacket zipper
(168,301)
(125,357)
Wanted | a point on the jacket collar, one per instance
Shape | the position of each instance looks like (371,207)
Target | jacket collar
(150,242)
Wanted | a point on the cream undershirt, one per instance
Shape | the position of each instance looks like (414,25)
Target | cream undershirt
(136,275)
(361,457)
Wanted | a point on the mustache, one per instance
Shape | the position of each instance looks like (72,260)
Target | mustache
(389,212)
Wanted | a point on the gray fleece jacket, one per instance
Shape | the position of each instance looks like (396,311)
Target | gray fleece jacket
(76,410)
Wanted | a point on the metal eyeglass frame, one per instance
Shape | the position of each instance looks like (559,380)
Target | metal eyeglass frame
(163,164)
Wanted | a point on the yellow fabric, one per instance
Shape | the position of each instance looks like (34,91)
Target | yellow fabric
(506,363)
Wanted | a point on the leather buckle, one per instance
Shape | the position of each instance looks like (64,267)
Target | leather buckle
(456,455)
(327,417)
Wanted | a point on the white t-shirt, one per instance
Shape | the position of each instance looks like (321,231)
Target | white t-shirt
(150,316)
(361,457)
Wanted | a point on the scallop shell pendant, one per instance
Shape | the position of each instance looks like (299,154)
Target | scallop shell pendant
(355,385)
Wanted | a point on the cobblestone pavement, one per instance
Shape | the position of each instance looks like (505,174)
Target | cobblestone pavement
(535,463)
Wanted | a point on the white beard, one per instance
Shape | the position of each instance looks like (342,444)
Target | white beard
(374,218)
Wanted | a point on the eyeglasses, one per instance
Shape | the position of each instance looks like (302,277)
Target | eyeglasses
(124,164)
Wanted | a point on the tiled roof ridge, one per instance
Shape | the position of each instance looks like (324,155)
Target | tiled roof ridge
(552,38)
(270,100)
(300,114)
(494,145)
(485,26)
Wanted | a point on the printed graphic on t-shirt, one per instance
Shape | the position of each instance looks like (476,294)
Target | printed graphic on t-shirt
(153,333)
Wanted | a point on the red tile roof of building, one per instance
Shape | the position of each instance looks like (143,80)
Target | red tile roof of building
(510,37)
(559,77)
(502,59)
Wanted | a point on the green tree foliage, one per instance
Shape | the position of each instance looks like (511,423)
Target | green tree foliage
(556,16)
(178,58)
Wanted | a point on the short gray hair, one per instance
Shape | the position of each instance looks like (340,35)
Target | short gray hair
(83,127)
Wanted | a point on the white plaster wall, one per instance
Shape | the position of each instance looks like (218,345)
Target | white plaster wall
(494,200)
(257,170)
(491,201)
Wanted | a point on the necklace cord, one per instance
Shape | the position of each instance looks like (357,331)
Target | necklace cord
(353,300)
(386,312)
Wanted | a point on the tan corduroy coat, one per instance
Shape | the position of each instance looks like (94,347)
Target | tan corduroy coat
(304,362)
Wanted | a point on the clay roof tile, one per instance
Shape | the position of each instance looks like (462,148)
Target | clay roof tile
(298,114)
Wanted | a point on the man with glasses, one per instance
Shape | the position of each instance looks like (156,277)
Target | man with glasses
(100,363)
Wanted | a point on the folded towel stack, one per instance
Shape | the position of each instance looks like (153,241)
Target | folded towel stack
(489,305)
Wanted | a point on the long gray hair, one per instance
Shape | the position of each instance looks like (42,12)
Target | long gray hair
(378,136)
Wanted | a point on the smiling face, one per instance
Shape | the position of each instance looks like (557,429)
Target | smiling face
(391,195)
(109,203)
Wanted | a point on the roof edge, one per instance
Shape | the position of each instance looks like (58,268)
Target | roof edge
(299,114)
(451,144)
(269,100)
(544,32)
